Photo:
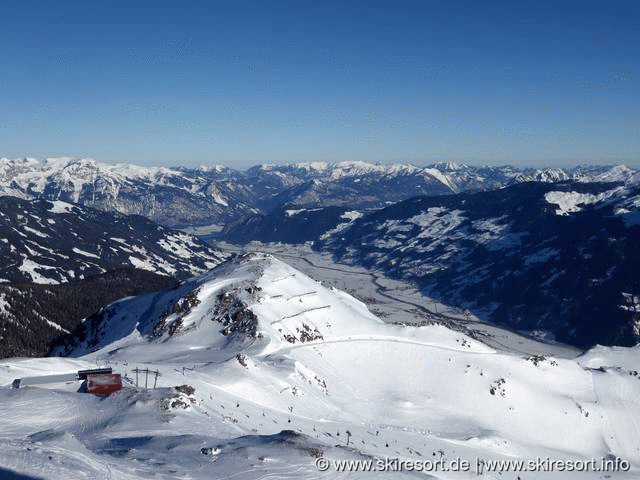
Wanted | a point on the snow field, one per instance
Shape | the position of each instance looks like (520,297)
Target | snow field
(414,393)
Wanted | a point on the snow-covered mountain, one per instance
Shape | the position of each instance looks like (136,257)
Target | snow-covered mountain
(191,197)
(59,244)
(275,372)
(172,197)
(351,184)
(54,241)
(617,173)
(544,258)
(555,258)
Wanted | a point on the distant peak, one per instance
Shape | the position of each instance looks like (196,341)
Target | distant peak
(319,166)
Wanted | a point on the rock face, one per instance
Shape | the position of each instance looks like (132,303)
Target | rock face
(188,197)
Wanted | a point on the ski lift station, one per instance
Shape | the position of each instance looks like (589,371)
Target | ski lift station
(98,381)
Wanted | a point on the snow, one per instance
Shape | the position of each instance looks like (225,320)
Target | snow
(437,221)
(351,215)
(61,207)
(349,218)
(86,254)
(292,212)
(618,173)
(4,305)
(29,267)
(441,177)
(406,392)
(35,232)
(220,200)
(571,202)
(317,166)
(217,196)
(629,210)
(344,169)
(143,264)
(495,235)
(56,326)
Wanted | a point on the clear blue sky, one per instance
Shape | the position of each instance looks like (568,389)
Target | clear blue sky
(242,83)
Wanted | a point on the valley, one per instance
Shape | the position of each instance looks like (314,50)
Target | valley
(399,302)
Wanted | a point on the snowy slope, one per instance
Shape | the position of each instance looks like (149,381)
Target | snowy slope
(268,350)
(52,242)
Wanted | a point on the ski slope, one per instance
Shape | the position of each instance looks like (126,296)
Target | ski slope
(286,371)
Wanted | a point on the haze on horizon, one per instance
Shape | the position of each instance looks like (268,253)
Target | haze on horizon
(243,83)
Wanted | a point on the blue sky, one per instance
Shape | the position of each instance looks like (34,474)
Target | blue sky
(242,83)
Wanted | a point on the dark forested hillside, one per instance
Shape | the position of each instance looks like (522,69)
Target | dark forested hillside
(32,316)
(556,259)
(286,225)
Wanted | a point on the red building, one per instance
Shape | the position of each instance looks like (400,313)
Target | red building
(104,384)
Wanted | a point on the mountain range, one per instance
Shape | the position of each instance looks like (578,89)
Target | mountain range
(53,241)
(240,365)
(495,247)
(217,195)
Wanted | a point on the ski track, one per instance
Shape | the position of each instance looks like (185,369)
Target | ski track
(357,338)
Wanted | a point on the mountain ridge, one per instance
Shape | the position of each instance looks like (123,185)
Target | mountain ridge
(191,197)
